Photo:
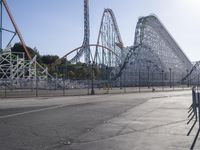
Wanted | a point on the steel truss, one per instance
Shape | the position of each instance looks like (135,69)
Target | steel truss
(16,70)
(109,36)
(155,55)
(85,50)
(158,54)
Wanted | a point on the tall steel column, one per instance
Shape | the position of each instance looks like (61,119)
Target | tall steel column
(86,40)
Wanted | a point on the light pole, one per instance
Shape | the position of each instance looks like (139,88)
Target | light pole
(173,80)
(152,82)
(188,78)
(148,76)
(88,78)
(120,80)
(66,70)
(108,79)
(139,80)
(170,77)
(92,90)
(162,80)
(124,80)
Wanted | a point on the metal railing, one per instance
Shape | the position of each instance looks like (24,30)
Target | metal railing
(194,114)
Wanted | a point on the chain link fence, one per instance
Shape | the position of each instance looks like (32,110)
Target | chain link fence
(137,82)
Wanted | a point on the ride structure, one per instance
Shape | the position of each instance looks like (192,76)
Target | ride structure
(159,58)
(154,57)
(17,69)
(85,49)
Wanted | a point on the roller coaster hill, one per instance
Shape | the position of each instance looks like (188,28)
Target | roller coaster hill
(155,59)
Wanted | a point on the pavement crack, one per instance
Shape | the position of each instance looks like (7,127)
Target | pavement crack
(131,132)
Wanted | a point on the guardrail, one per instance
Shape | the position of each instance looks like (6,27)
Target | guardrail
(194,114)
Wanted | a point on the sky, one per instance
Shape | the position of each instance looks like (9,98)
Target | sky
(56,26)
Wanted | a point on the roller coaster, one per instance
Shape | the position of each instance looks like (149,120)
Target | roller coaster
(155,55)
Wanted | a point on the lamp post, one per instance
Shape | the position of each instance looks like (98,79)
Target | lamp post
(188,78)
(170,77)
(66,70)
(107,77)
(120,79)
(162,81)
(92,90)
(139,80)
(88,78)
(124,80)
(148,76)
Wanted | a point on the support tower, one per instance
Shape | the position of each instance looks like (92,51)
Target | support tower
(86,40)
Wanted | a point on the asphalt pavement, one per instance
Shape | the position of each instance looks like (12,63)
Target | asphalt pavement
(107,122)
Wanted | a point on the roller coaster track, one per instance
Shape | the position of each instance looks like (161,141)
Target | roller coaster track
(153,43)
(111,14)
(109,36)
(147,30)
(194,68)
(132,52)
(151,32)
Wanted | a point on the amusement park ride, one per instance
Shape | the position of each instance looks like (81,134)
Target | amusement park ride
(15,68)
(154,51)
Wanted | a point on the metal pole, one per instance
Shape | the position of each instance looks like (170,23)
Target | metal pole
(199,108)
(107,74)
(173,80)
(170,77)
(56,81)
(187,78)
(63,87)
(5,89)
(148,77)
(66,70)
(92,90)
(162,81)
(120,82)
(88,76)
(139,81)
(152,82)
(198,80)
(36,87)
(124,80)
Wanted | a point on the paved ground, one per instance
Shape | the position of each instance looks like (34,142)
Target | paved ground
(141,121)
